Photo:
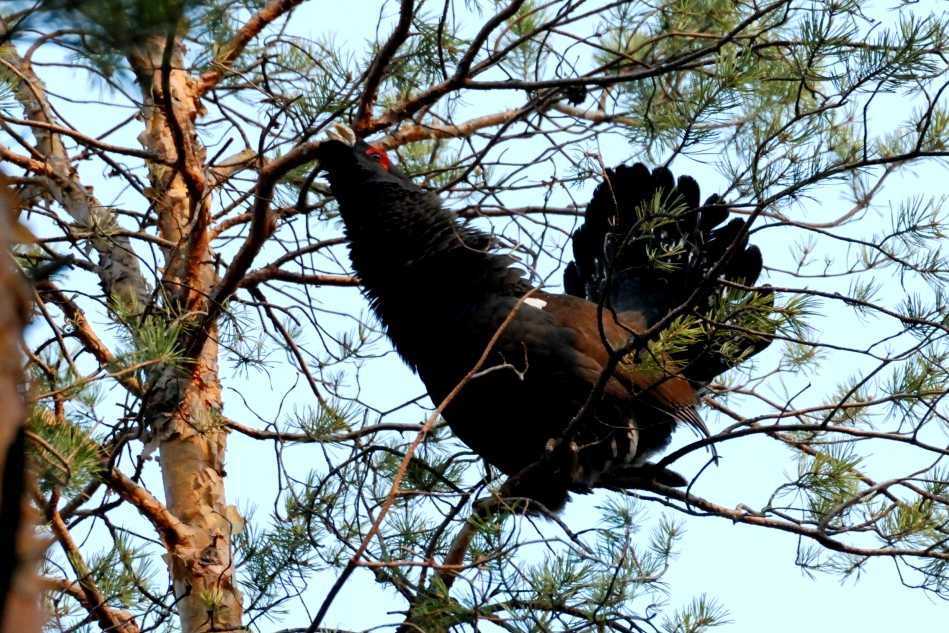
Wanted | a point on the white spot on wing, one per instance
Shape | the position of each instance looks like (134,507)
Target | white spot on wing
(534,302)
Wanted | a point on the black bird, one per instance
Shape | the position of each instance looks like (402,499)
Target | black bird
(442,291)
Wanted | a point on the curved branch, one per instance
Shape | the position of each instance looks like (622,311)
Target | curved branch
(381,62)
(743,515)
(230,51)
(262,225)
(457,80)
(421,132)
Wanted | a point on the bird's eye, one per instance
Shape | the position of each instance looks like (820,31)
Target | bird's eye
(379,156)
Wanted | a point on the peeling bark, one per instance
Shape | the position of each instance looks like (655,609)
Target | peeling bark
(119,271)
(183,412)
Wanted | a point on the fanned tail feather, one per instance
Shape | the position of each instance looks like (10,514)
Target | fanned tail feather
(645,246)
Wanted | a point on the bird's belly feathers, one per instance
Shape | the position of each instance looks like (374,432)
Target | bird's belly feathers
(531,386)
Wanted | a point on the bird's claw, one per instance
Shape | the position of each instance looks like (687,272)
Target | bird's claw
(342,133)
(568,461)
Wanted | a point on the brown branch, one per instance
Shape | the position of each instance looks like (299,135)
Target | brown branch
(96,375)
(292,345)
(88,141)
(457,80)
(46,290)
(461,79)
(278,214)
(311,247)
(231,165)
(306,438)
(231,50)
(93,600)
(739,515)
(262,226)
(66,586)
(51,450)
(380,63)
(752,426)
(29,164)
(171,529)
(455,557)
(237,220)
(595,116)
(253,279)
(74,590)
(905,319)
(420,132)
(785,434)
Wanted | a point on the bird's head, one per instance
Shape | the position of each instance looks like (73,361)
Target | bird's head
(343,155)
(361,177)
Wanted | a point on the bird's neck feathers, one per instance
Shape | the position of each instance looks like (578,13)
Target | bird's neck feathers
(404,237)
(410,254)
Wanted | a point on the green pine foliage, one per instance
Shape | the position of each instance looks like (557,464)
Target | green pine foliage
(827,123)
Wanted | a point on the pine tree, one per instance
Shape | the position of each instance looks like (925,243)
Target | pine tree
(191,286)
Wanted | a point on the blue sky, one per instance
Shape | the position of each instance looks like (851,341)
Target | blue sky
(749,570)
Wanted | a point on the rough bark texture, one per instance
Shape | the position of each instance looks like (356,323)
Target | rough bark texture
(19,591)
(182,412)
(119,272)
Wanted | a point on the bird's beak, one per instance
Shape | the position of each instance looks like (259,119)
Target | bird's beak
(342,133)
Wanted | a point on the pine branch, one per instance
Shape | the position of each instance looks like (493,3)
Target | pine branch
(87,593)
(173,532)
(231,50)
(84,332)
(378,67)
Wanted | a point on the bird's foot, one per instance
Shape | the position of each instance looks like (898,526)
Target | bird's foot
(567,462)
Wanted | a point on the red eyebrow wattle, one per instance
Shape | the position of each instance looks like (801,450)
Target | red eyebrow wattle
(382,156)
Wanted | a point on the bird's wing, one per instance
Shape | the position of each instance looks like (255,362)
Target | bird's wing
(598,331)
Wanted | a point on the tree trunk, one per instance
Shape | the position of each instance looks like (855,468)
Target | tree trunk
(182,412)
(19,590)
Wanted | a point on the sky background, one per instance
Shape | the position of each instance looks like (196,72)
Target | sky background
(750,571)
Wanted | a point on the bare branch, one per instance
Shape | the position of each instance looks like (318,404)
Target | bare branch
(378,67)
(272,11)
